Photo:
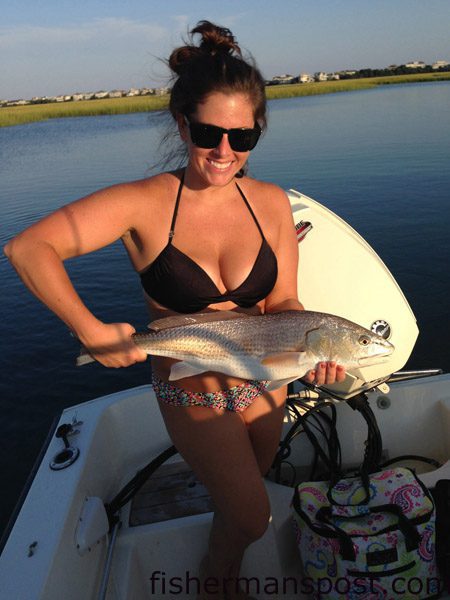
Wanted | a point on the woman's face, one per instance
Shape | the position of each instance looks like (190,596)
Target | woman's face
(218,166)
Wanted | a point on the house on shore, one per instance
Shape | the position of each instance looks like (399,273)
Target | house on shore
(20,102)
(439,64)
(305,78)
(116,94)
(282,79)
(416,64)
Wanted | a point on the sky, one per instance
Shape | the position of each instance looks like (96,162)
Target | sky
(52,47)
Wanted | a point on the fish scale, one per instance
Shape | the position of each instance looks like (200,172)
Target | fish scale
(250,335)
(277,346)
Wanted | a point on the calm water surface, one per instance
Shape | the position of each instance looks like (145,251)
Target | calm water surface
(379,158)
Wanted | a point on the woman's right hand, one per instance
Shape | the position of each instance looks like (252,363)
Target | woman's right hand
(112,345)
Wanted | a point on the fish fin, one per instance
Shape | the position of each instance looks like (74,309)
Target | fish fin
(295,362)
(277,383)
(181,320)
(284,358)
(313,336)
(183,369)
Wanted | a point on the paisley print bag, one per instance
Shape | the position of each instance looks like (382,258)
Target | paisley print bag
(368,538)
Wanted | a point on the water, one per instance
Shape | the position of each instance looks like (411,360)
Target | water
(379,158)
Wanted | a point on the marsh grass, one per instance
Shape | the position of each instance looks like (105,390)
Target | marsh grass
(19,115)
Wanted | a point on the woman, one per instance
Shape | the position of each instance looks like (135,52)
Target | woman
(204,238)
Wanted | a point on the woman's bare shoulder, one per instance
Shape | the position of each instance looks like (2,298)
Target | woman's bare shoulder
(154,188)
(268,196)
(130,201)
(264,189)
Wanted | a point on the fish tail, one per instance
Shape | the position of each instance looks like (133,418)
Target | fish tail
(83,358)
(142,340)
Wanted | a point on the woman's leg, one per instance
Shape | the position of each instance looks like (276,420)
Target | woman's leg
(229,452)
(264,421)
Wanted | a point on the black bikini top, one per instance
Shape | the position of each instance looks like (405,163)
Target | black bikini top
(177,282)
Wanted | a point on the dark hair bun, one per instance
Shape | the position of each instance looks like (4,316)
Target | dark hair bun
(214,40)
(181,57)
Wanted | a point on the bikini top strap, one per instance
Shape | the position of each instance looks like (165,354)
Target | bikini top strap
(250,210)
(175,210)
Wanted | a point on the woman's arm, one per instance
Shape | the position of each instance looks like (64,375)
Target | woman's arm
(38,253)
(284,295)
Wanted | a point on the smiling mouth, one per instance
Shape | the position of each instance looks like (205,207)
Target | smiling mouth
(219,165)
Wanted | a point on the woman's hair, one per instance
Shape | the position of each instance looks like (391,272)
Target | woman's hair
(215,65)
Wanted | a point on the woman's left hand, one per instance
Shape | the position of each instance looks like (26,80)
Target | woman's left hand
(326,373)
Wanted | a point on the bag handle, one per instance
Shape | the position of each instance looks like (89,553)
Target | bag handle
(346,548)
(409,531)
(366,484)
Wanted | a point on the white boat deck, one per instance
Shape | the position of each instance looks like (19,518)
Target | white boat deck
(120,434)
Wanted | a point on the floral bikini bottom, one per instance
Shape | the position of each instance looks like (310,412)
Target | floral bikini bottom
(236,398)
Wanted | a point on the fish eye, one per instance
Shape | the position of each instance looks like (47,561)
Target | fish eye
(364,340)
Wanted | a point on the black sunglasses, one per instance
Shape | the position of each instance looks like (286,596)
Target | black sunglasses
(241,139)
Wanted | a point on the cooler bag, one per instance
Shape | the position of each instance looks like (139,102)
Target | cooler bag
(370,537)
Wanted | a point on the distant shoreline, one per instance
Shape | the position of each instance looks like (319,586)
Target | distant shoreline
(20,115)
